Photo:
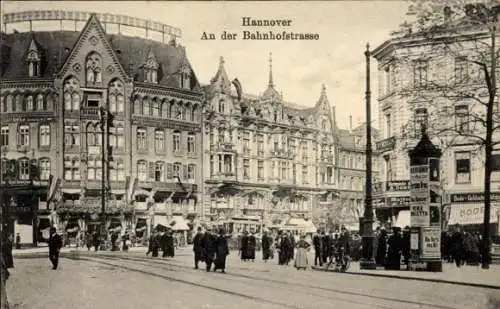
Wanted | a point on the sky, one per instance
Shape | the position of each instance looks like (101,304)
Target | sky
(299,67)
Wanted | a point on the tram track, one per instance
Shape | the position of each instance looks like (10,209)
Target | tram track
(308,290)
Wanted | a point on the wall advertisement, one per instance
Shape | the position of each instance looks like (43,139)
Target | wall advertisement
(431,243)
(419,195)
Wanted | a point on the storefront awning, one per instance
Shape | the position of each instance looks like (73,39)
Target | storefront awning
(403,220)
(158,219)
(71,190)
(473,213)
(297,222)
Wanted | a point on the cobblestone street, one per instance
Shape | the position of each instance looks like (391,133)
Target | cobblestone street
(132,280)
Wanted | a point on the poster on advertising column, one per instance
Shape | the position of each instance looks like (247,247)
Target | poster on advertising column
(431,243)
(419,195)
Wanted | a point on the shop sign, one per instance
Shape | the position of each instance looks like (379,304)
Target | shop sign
(473,197)
(400,201)
(22,209)
(431,243)
(398,185)
(386,144)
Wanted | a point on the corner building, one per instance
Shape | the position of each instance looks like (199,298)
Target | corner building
(55,87)
(268,162)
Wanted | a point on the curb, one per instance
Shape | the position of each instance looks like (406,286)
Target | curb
(400,277)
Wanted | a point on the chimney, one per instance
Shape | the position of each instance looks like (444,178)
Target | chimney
(350,122)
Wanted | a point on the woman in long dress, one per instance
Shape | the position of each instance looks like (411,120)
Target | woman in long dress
(301,256)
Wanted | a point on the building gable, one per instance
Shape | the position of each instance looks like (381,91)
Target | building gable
(93,52)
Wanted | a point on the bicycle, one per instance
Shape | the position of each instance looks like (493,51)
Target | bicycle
(342,261)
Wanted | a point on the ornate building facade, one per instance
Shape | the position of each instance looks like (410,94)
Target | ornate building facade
(267,161)
(96,112)
(441,92)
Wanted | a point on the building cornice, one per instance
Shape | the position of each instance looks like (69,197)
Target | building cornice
(27,83)
(160,90)
(416,40)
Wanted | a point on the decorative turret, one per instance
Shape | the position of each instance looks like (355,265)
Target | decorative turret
(220,81)
(271,93)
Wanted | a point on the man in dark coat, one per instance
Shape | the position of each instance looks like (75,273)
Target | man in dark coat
(198,247)
(55,245)
(252,246)
(7,246)
(395,246)
(208,248)
(221,251)
(318,248)
(170,243)
(327,243)
(457,246)
(267,242)
(244,246)
(381,247)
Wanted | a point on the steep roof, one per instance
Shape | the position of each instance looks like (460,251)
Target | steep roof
(55,47)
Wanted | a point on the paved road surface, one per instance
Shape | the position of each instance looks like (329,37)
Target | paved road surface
(117,280)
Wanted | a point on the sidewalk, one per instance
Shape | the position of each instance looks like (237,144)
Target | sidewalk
(465,275)
(44,250)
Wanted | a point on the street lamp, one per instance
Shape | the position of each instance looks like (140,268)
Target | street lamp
(104,126)
(368,261)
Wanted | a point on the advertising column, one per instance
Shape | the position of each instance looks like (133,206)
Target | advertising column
(425,206)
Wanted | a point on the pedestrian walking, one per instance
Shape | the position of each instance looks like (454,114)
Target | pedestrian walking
(55,245)
(395,242)
(381,247)
(267,246)
(209,248)
(318,248)
(457,246)
(221,251)
(301,256)
(198,247)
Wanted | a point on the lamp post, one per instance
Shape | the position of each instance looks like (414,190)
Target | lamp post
(104,125)
(368,261)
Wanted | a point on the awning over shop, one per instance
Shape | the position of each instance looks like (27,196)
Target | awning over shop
(297,222)
(473,213)
(403,219)
(158,219)
(179,224)
(71,190)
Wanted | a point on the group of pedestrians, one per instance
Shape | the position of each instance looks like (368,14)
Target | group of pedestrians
(462,247)
(212,248)
(163,241)
(328,245)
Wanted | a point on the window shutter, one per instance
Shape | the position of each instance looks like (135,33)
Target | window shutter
(170,171)
(151,171)
(184,171)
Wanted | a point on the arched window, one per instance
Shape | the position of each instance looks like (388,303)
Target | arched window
(93,65)
(194,113)
(91,135)
(71,96)
(173,110)
(155,108)
(177,169)
(91,168)
(221,106)
(9,102)
(323,125)
(145,106)
(44,135)
(19,101)
(181,113)
(191,143)
(188,112)
(115,95)
(28,103)
(137,106)
(142,170)
(3,104)
(40,105)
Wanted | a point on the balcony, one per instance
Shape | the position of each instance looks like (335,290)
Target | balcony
(175,186)
(222,146)
(387,144)
(224,176)
(92,112)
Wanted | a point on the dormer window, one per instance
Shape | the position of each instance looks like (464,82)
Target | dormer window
(151,69)
(93,65)
(186,77)
(33,59)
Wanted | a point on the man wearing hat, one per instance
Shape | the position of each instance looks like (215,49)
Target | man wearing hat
(208,243)
(55,244)
(198,247)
